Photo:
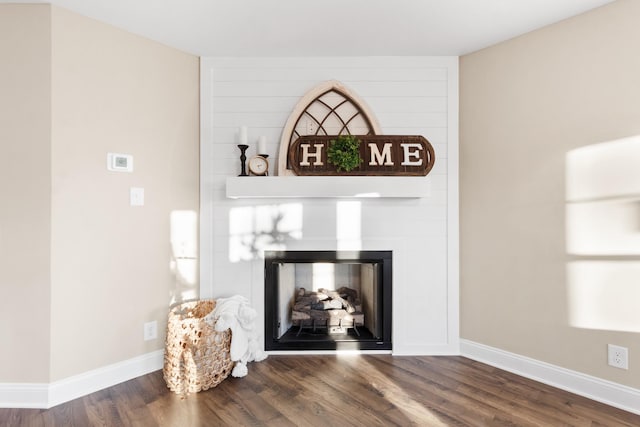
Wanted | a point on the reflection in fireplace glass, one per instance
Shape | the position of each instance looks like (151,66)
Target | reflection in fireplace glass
(327,300)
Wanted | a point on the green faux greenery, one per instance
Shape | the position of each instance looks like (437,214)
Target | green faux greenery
(344,153)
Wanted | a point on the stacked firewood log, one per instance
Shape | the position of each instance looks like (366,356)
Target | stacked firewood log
(335,310)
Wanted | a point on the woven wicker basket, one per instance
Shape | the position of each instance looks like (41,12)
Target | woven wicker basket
(196,355)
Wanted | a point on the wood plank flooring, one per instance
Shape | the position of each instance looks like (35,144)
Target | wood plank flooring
(329,390)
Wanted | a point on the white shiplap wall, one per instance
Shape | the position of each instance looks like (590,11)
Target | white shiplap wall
(410,96)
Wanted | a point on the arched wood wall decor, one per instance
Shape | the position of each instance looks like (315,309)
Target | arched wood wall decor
(330,109)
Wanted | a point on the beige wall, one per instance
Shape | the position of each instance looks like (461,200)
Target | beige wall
(526,105)
(83,270)
(111,272)
(25,188)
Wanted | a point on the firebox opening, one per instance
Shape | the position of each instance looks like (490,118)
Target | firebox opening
(328,300)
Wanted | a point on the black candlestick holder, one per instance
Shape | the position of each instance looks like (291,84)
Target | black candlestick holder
(243,159)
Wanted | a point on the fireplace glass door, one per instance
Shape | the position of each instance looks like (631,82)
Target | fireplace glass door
(328,300)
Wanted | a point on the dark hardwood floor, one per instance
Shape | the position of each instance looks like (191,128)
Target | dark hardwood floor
(328,390)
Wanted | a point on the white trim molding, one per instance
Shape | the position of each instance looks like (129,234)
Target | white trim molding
(607,392)
(24,395)
(352,187)
(44,396)
(107,376)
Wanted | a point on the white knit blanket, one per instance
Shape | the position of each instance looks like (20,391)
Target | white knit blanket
(236,314)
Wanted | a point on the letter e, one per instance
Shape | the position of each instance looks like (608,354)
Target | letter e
(411,151)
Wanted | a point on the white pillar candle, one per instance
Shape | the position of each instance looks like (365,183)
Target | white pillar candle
(262,145)
(243,135)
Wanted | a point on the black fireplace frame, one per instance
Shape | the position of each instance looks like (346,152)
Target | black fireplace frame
(384,260)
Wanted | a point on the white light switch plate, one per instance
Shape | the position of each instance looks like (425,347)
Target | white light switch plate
(136,196)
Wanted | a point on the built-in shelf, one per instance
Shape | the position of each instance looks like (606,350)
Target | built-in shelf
(256,187)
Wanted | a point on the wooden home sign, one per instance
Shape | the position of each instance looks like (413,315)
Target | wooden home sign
(379,154)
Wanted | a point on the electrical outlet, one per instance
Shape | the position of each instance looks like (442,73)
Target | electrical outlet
(618,356)
(150,331)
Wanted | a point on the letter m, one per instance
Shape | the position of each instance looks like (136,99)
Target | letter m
(378,158)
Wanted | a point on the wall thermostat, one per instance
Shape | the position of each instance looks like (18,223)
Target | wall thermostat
(120,162)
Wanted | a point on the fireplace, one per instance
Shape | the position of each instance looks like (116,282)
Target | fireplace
(328,300)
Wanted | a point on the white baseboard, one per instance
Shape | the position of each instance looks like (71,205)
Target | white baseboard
(24,395)
(607,392)
(45,396)
(449,349)
(99,379)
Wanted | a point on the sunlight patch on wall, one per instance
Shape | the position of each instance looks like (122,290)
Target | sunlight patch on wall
(605,170)
(603,198)
(183,237)
(348,225)
(254,229)
(602,223)
(604,295)
(606,227)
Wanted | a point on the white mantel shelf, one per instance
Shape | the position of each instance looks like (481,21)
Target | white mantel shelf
(259,187)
